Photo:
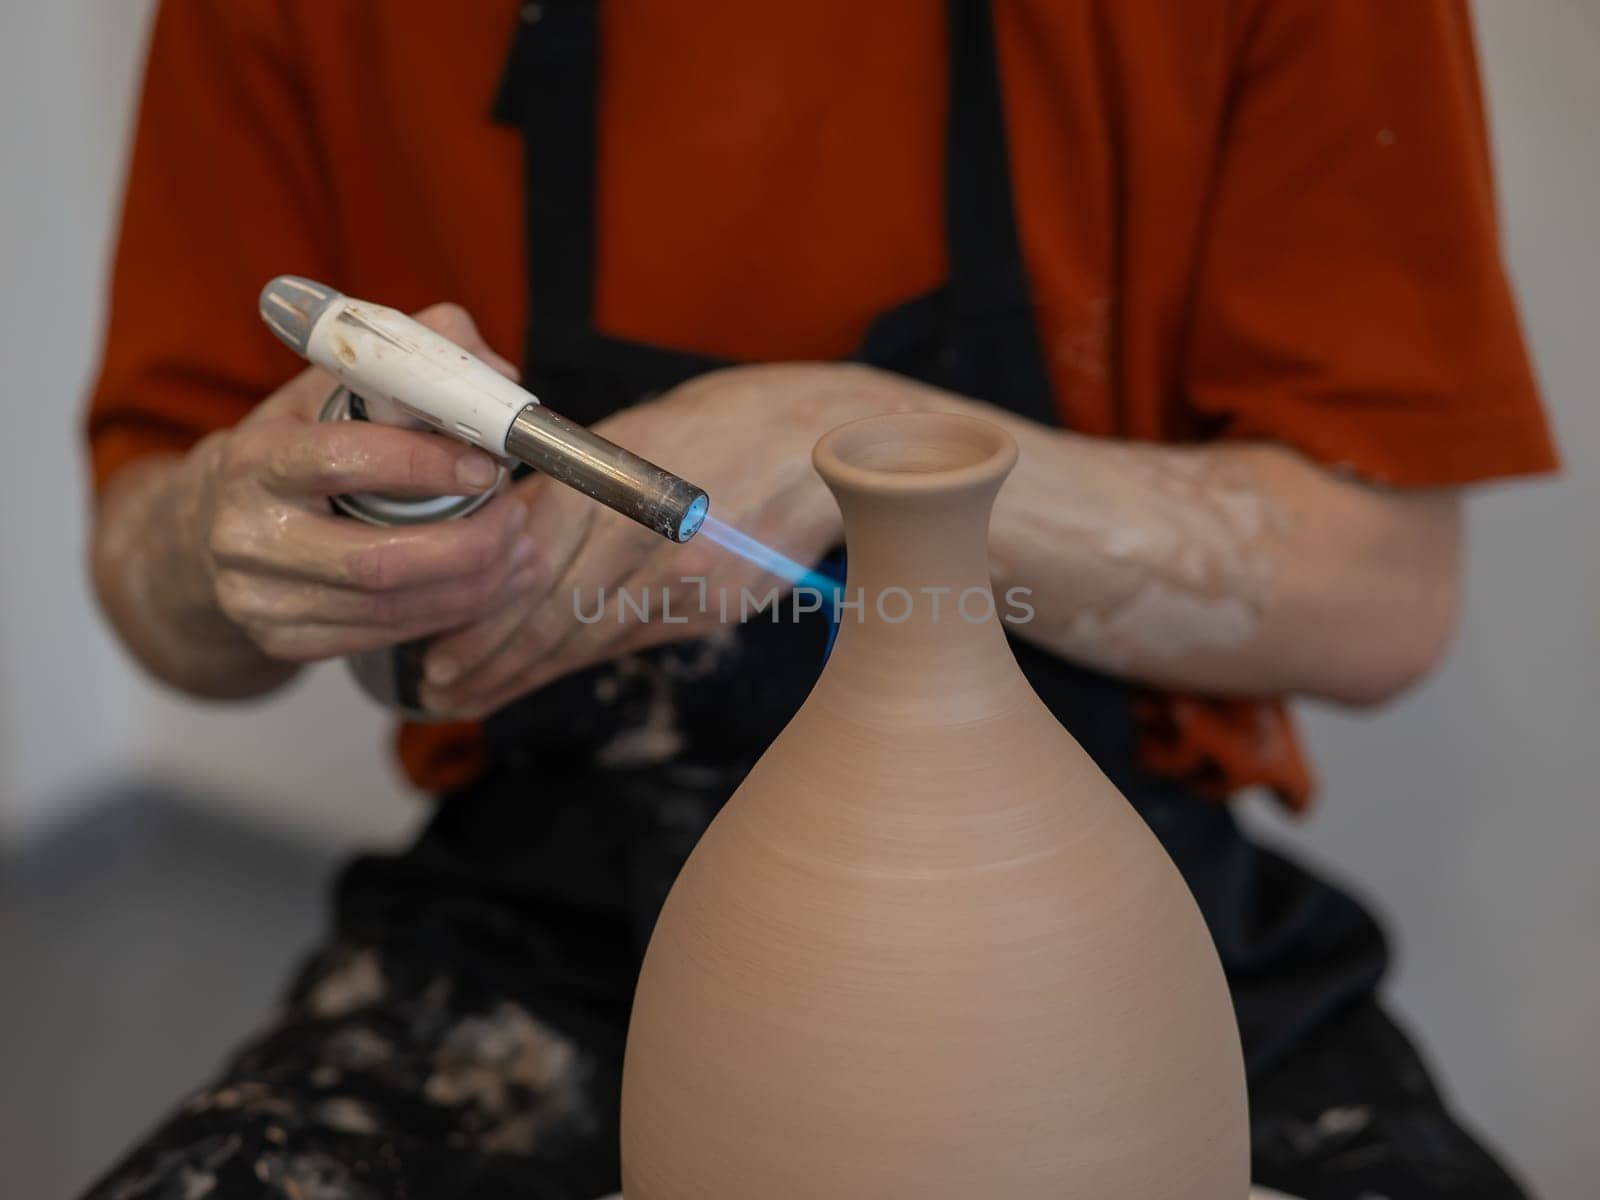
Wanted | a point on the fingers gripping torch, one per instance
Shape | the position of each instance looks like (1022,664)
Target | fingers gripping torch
(396,371)
(405,373)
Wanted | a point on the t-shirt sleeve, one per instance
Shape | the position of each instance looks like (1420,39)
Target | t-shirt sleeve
(1352,301)
(223,192)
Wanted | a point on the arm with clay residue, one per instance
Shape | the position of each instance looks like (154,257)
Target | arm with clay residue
(1229,568)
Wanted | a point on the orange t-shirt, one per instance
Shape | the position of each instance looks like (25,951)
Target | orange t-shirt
(1242,219)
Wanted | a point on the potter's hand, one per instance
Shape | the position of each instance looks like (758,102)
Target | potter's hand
(745,435)
(225,567)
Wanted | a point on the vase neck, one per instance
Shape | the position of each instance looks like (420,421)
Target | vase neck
(913,560)
(919,630)
(918,613)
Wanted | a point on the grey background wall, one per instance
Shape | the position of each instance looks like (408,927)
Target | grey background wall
(1469,809)
(74,716)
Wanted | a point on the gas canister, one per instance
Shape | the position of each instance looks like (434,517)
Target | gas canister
(392,675)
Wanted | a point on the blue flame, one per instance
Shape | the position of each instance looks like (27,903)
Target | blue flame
(829,587)
(768,559)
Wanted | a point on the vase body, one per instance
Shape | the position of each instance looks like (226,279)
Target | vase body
(927,950)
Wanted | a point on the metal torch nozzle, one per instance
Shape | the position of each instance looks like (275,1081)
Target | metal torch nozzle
(604,471)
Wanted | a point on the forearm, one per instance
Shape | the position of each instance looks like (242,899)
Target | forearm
(1234,568)
(155,588)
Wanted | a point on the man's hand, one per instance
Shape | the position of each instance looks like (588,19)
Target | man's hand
(226,566)
(745,435)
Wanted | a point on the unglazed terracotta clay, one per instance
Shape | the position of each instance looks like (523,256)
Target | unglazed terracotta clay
(927,950)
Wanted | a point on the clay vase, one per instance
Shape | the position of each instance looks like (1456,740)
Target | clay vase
(927,950)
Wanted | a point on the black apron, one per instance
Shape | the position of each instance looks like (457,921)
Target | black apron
(578,846)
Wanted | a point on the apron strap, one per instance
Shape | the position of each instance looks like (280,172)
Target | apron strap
(548,91)
(994,351)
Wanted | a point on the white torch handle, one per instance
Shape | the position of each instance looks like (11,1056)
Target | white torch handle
(395,364)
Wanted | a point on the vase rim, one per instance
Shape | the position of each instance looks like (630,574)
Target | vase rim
(914,452)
